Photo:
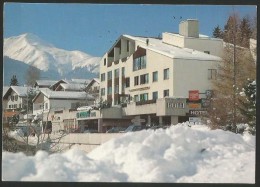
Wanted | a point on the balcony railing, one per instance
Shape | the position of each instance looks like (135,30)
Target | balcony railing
(138,103)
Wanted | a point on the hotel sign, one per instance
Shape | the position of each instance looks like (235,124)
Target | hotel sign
(140,89)
(86,114)
(194,95)
(198,112)
(194,105)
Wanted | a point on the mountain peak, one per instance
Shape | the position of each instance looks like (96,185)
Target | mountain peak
(32,50)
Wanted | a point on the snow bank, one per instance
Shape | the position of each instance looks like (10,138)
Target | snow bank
(178,154)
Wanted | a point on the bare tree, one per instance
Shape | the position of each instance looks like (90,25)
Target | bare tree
(32,74)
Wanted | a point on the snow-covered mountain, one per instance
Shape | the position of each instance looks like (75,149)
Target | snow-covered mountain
(32,50)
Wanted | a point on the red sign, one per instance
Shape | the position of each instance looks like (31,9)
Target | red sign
(194,95)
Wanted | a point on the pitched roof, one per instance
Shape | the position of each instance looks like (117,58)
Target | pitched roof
(45,82)
(171,51)
(76,87)
(65,95)
(21,91)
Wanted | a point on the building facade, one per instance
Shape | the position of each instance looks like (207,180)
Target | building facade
(152,78)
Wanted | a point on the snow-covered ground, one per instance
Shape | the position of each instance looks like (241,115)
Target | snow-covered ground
(177,154)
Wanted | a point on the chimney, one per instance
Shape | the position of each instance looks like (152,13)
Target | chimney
(189,28)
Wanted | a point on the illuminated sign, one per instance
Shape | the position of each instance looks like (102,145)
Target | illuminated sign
(198,112)
(194,105)
(194,95)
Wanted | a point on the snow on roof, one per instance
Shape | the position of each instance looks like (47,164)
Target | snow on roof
(5,88)
(20,90)
(45,82)
(72,86)
(171,51)
(81,81)
(65,94)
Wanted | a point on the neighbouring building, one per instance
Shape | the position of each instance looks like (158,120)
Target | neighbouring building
(44,83)
(150,80)
(48,104)
(14,100)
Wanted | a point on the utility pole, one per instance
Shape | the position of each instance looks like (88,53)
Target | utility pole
(234,74)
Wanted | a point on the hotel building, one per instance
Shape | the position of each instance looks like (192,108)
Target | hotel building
(150,80)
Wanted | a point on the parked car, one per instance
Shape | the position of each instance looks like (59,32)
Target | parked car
(90,131)
(158,127)
(133,128)
(116,129)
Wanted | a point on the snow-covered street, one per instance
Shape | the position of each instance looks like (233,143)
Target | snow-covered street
(179,154)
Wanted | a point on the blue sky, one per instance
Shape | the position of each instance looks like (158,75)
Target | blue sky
(93,28)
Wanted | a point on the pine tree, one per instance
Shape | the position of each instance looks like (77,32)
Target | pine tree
(245,32)
(236,66)
(248,104)
(217,32)
(14,81)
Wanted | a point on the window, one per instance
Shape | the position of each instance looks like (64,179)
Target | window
(144,79)
(165,93)
(212,74)
(109,90)
(136,98)
(166,74)
(139,63)
(207,52)
(103,91)
(10,106)
(127,45)
(155,76)
(103,77)
(144,97)
(116,73)
(12,97)
(46,106)
(16,97)
(109,75)
(136,80)
(155,95)
(127,82)
(15,105)
(123,71)
(116,88)
(123,87)
(105,61)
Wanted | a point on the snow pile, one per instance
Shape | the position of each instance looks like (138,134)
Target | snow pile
(178,154)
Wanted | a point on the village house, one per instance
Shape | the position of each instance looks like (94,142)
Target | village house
(14,101)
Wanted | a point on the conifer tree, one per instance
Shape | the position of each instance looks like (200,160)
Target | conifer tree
(248,104)
(217,32)
(245,32)
(236,67)
(14,81)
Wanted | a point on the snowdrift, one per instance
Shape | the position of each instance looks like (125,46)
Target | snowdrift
(180,154)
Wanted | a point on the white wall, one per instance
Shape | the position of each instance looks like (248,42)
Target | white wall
(191,75)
